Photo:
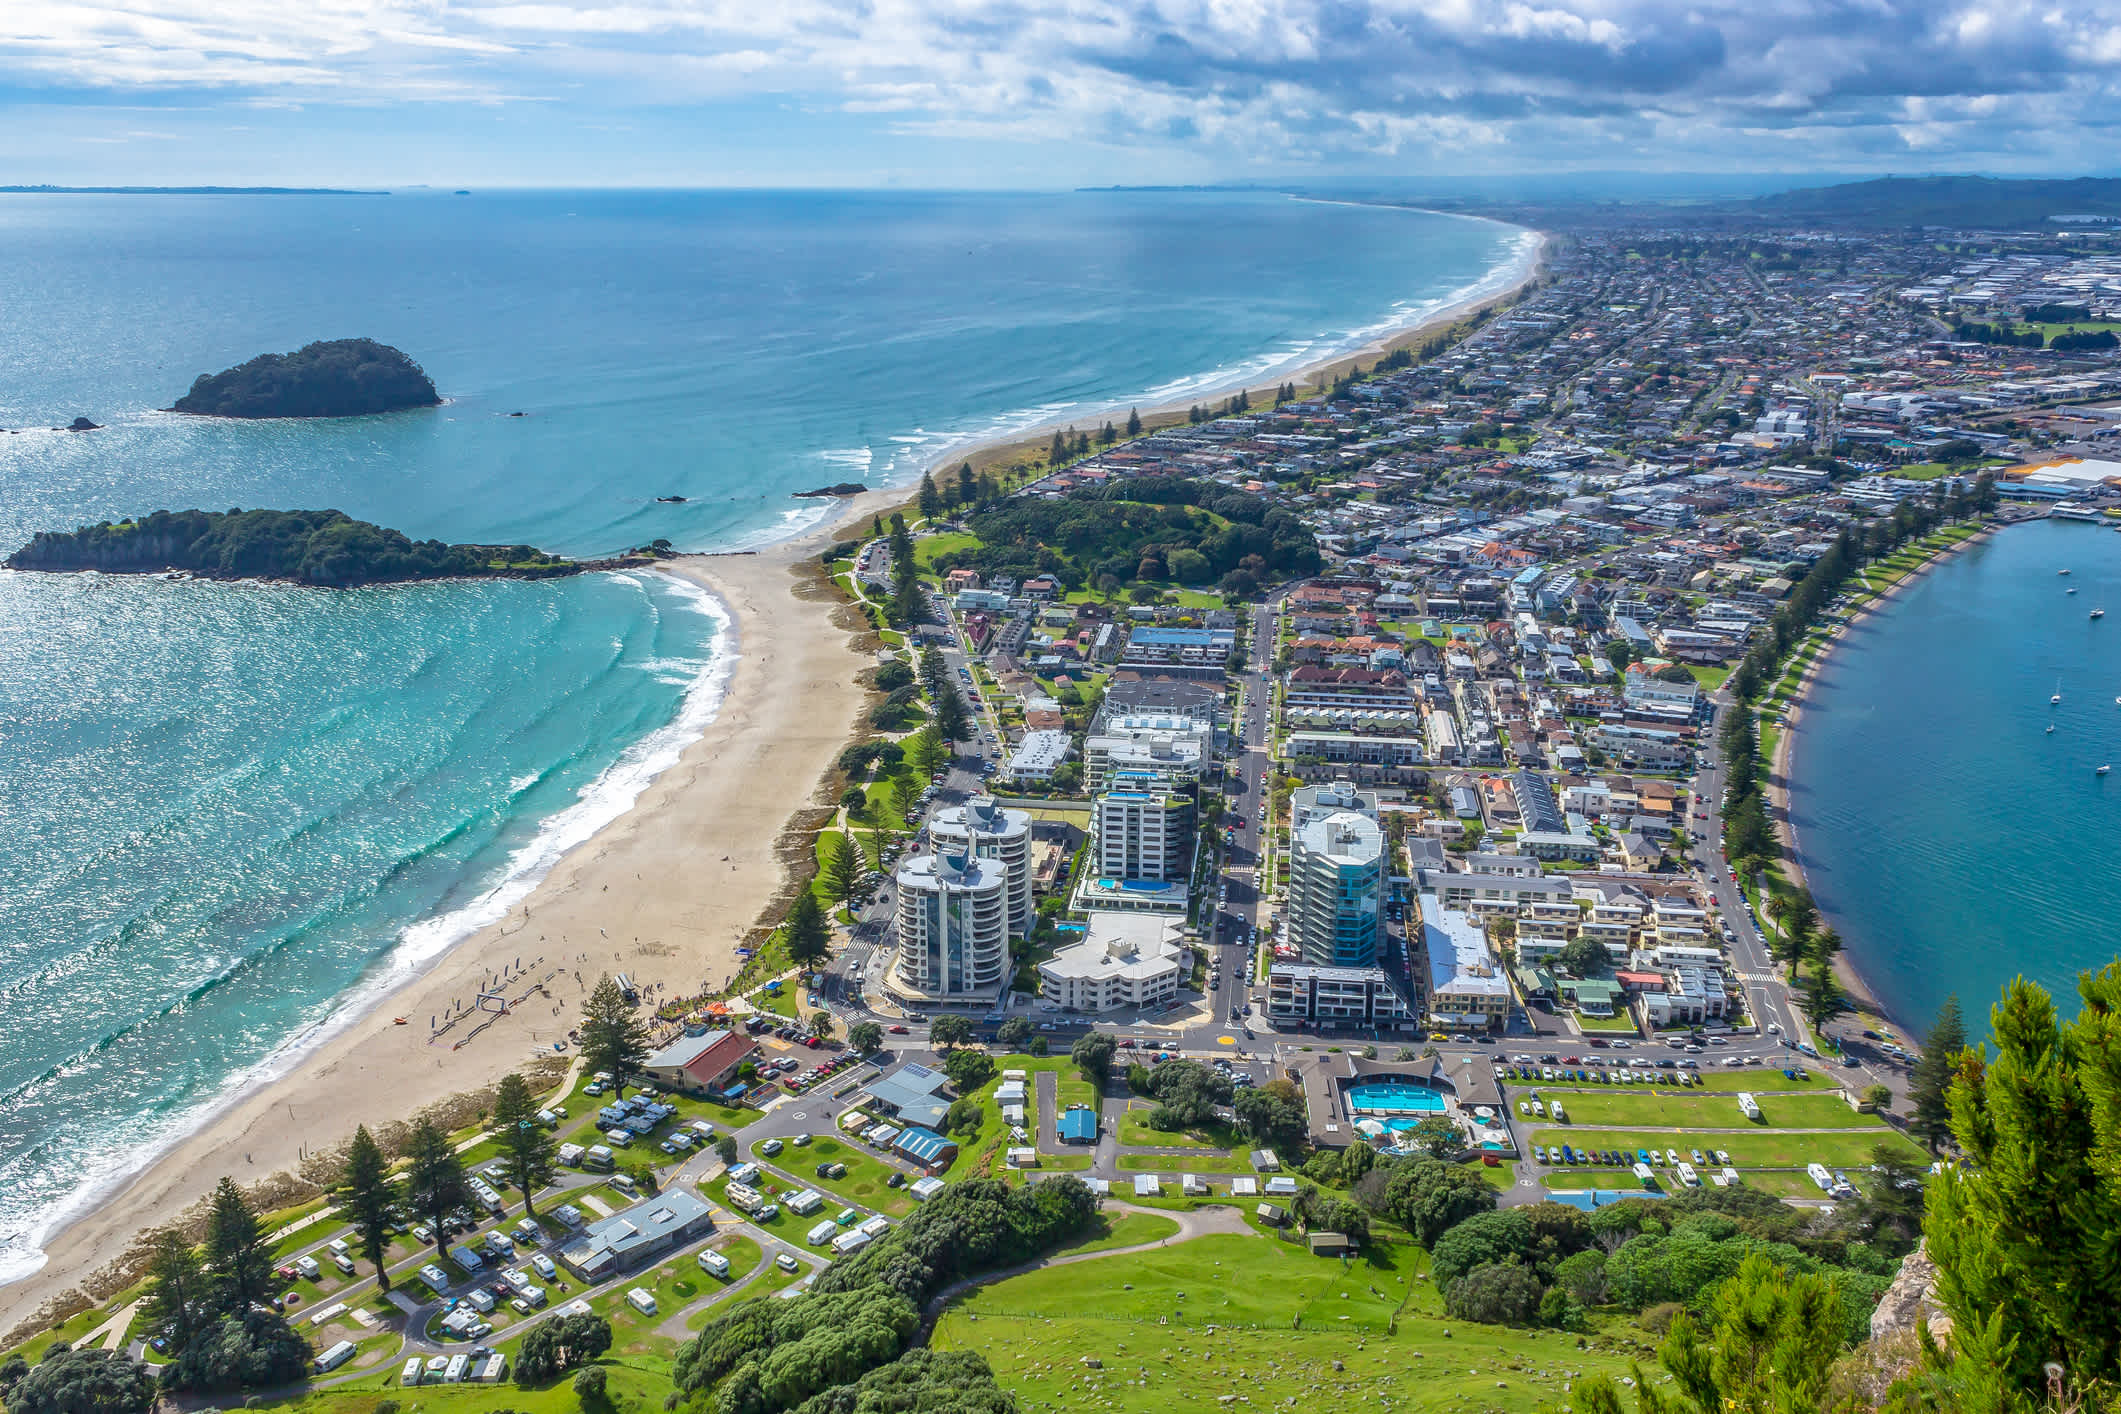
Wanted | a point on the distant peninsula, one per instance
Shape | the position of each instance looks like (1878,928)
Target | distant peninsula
(331,378)
(301,547)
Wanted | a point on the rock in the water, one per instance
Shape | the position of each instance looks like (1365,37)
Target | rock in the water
(82,424)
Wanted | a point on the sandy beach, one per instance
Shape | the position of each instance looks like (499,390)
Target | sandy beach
(665,893)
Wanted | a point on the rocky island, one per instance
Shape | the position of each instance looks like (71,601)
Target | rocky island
(302,547)
(331,378)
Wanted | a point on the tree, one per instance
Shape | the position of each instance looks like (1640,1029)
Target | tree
(613,1039)
(808,936)
(1428,1197)
(589,1385)
(177,1301)
(928,749)
(1014,1032)
(1504,1235)
(1092,1054)
(2024,1232)
(866,1037)
(1823,998)
(821,1023)
(1499,1294)
(87,1381)
(950,1029)
(1879,1097)
(967,488)
(842,871)
(556,1346)
(1771,1341)
(931,500)
(434,1179)
(1436,1136)
(1930,1114)
(968,1069)
(1584,957)
(254,1350)
(725,1149)
(527,1146)
(1272,1116)
(368,1197)
(236,1254)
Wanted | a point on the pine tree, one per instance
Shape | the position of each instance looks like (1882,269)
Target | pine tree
(1930,1082)
(435,1185)
(931,500)
(1058,451)
(1134,423)
(236,1254)
(527,1146)
(1082,444)
(808,936)
(178,1300)
(612,1038)
(1823,998)
(368,1198)
(1107,435)
(842,871)
(967,489)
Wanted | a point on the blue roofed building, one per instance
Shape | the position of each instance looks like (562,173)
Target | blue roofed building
(913,1094)
(637,1236)
(926,1148)
(1079,1125)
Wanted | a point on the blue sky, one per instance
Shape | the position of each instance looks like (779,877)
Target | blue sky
(1006,94)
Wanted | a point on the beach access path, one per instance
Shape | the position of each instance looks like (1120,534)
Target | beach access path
(664,893)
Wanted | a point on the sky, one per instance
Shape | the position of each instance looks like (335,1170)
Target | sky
(1002,93)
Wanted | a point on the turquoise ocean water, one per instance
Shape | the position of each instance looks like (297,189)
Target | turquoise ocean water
(1953,840)
(228,813)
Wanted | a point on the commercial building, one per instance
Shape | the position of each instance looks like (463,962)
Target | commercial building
(1308,803)
(1336,890)
(914,1094)
(1467,989)
(1359,998)
(1143,834)
(1124,960)
(1167,748)
(699,1065)
(953,927)
(637,1236)
(986,830)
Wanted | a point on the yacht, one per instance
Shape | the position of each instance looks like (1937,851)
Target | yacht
(2102,770)
(2061,571)
(2098,613)
(2050,728)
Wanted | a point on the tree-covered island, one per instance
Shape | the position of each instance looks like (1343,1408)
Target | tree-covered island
(306,547)
(330,378)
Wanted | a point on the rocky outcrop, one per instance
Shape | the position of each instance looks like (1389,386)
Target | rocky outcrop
(1910,1299)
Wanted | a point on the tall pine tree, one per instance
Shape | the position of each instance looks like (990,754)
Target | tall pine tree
(435,1185)
(526,1144)
(612,1037)
(931,500)
(809,937)
(368,1197)
(236,1254)
(1930,1082)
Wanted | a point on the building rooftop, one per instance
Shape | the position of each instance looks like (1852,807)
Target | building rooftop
(1459,960)
(1134,945)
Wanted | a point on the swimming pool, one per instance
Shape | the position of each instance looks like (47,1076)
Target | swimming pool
(1389,1098)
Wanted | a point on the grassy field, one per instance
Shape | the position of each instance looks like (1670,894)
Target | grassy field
(1768,1148)
(868,1180)
(1686,1111)
(1760,1081)
(1126,1230)
(929,548)
(675,1285)
(637,1383)
(1171,1165)
(1280,1319)
(1135,1131)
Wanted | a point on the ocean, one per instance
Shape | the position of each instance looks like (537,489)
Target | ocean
(230,814)
(1953,840)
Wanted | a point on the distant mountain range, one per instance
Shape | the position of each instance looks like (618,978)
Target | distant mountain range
(1939,201)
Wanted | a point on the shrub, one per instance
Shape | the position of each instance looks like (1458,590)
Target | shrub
(589,1382)
(1498,1294)
(1658,1319)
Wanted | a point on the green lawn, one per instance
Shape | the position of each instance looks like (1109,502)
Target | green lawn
(1280,1320)
(1135,1131)
(927,549)
(744,1256)
(1172,1165)
(782,1001)
(1126,1230)
(1570,1180)
(868,1180)
(1687,1111)
(1609,1025)
(675,1285)
(1769,1148)
(1760,1081)
(1709,678)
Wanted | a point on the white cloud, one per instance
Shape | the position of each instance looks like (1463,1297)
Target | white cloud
(1309,80)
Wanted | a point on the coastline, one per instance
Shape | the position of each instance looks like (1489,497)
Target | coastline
(606,904)
(1861,994)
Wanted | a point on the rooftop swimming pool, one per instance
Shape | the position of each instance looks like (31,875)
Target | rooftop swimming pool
(1390,1098)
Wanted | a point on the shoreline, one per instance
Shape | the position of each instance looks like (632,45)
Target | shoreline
(604,905)
(361,1068)
(985,452)
(1861,994)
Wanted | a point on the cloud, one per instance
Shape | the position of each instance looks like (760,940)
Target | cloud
(1425,83)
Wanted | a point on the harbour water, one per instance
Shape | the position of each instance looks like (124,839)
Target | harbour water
(1951,838)
(228,813)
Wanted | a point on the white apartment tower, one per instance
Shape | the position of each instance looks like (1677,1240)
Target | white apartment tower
(985,830)
(953,929)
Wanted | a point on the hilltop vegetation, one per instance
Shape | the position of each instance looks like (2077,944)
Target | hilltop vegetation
(1154,528)
(331,378)
(1942,201)
(308,547)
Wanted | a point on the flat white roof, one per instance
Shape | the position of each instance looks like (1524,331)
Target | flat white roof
(1459,960)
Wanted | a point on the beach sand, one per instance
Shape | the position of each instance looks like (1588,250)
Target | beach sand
(665,893)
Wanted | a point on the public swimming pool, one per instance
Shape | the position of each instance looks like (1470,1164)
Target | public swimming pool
(1390,1099)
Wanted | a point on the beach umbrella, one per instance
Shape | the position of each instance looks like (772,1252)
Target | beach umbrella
(1371,1127)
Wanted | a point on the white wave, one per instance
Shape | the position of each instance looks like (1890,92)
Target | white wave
(418,946)
(857,457)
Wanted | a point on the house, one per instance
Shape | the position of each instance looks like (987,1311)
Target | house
(637,1236)
(1078,1125)
(700,1065)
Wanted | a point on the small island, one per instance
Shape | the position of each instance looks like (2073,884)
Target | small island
(303,547)
(838,488)
(331,378)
